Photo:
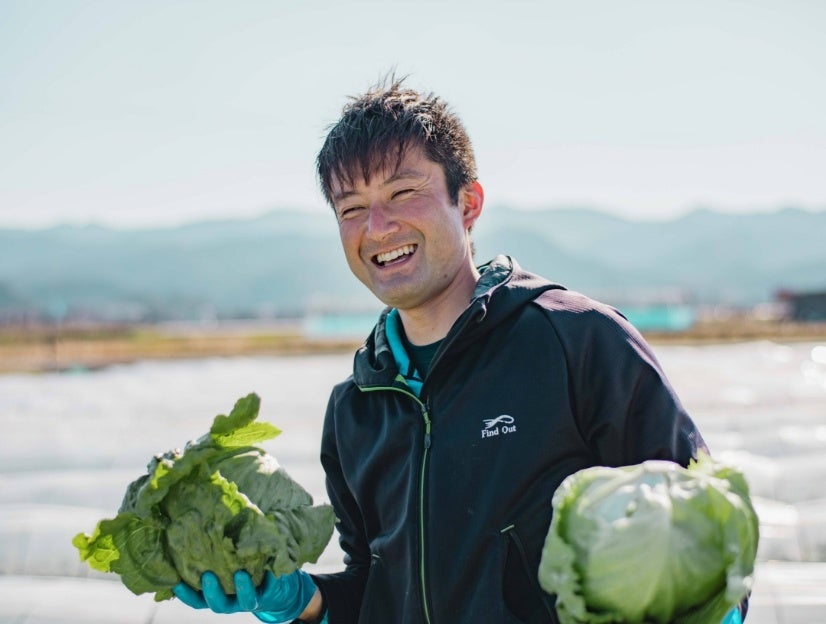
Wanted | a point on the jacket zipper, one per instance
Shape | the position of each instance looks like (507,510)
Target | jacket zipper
(422,471)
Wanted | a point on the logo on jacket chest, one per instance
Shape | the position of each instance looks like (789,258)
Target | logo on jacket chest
(501,425)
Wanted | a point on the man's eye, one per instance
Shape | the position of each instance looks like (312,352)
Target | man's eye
(349,212)
(402,193)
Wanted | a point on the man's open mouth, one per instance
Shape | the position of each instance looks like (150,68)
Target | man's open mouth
(388,257)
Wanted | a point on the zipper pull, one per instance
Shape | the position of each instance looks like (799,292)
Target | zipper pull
(426,415)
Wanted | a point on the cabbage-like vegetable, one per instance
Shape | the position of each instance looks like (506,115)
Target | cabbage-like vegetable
(654,542)
(221,505)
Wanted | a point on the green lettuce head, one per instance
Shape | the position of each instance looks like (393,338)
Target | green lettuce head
(221,504)
(654,542)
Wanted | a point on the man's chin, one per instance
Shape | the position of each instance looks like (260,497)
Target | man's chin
(395,299)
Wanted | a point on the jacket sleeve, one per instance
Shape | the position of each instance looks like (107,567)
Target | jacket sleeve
(342,592)
(626,408)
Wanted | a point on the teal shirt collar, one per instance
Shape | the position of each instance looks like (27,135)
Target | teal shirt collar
(392,330)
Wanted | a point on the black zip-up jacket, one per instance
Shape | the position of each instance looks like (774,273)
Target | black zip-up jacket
(444,499)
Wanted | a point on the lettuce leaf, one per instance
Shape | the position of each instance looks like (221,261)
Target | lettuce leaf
(221,504)
(653,542)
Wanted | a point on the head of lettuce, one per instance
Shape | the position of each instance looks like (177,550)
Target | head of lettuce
(221,505)
(654,542)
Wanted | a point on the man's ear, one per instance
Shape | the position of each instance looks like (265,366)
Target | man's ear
(471,198)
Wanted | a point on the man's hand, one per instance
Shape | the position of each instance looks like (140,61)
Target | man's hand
(278,599)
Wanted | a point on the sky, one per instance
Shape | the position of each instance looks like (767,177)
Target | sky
(162,112)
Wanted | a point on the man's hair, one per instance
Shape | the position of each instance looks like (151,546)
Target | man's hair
(376,129)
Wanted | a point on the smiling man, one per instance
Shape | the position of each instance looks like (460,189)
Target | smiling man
(479,390)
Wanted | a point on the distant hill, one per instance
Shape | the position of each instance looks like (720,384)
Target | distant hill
(289,261)
(704,256)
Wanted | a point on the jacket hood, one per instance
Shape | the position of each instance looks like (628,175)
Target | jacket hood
(505,287)
(502,289)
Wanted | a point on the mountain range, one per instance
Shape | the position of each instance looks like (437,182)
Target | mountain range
(287,262)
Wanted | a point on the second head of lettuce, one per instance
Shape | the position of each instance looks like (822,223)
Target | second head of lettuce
(653,542)
(222,504)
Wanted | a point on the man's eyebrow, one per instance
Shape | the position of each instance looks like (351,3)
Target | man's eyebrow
(402,174)
(343,195)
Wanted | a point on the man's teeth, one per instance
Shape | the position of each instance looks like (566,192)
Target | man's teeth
(389,256)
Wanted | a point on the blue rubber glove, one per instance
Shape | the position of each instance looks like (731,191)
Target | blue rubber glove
(278,599)
(733,617)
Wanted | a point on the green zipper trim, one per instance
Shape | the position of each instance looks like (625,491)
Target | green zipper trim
(423,579)
(427,423)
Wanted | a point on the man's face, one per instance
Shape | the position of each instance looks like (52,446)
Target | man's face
(402,236)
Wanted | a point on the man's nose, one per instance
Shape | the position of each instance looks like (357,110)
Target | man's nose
(381,219)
